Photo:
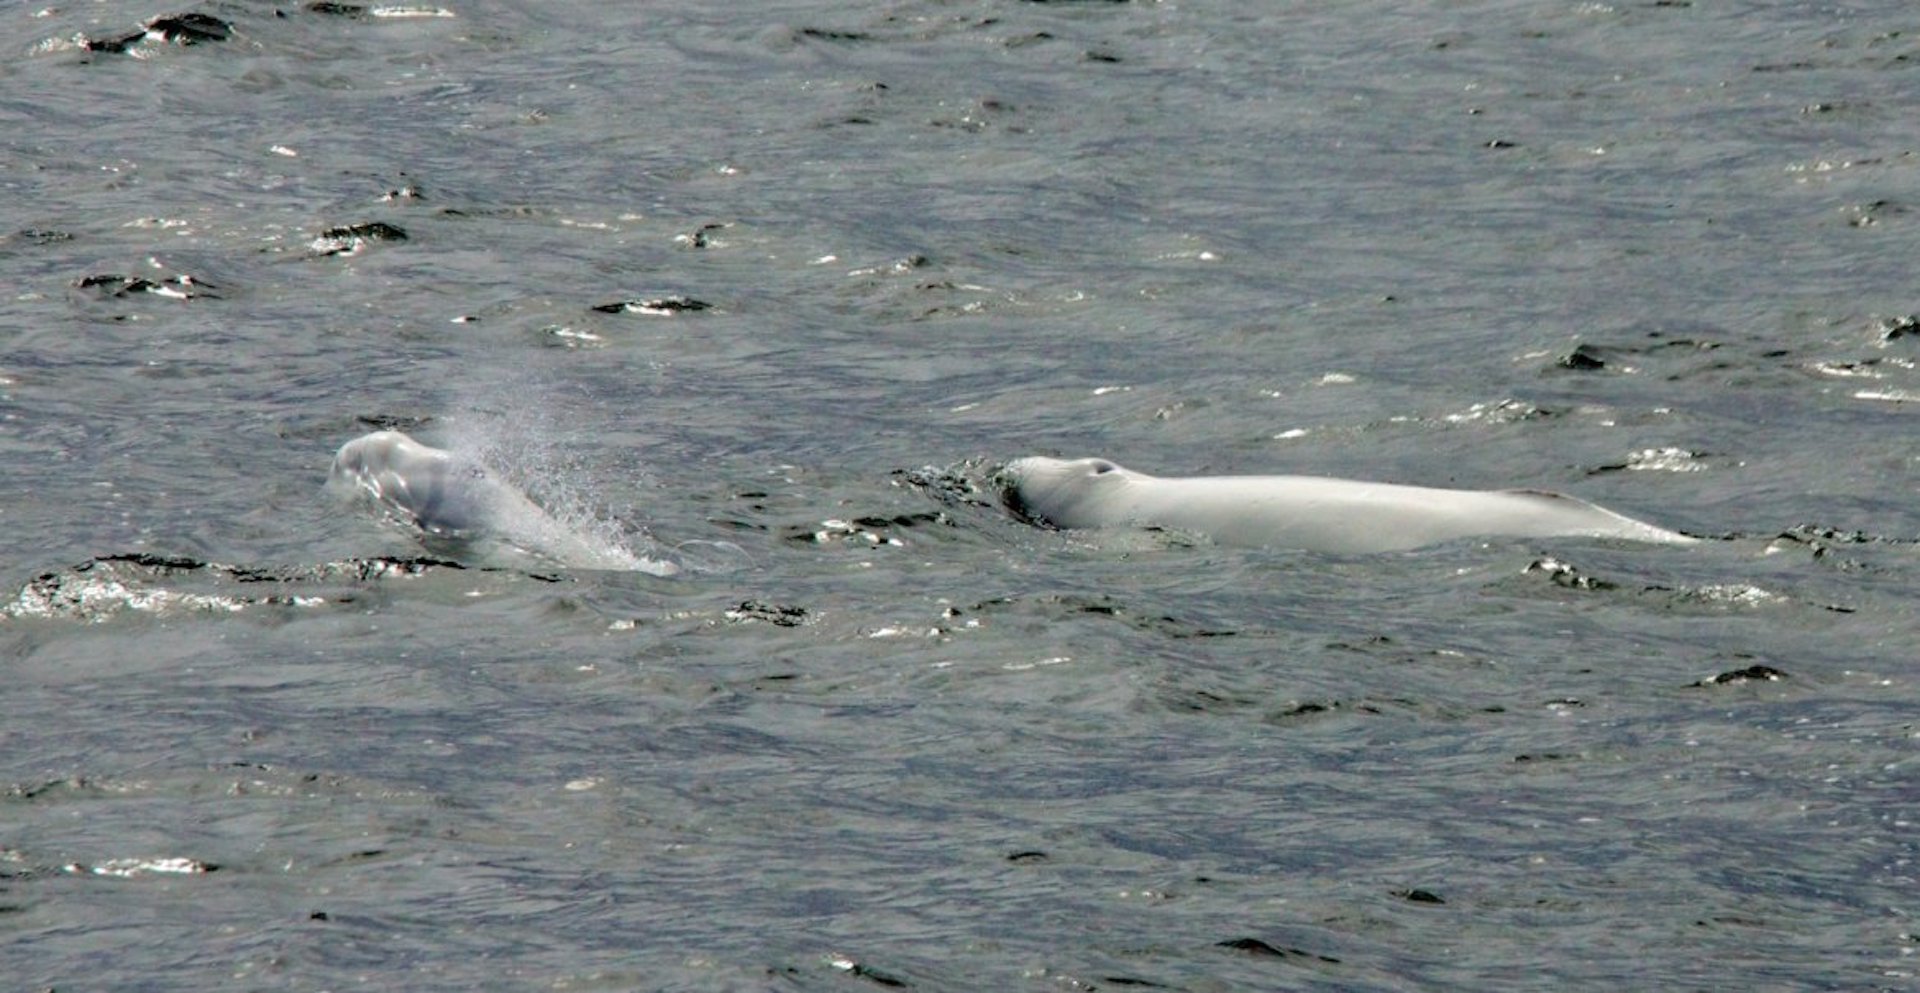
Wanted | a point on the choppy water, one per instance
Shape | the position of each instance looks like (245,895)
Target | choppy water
(878,734)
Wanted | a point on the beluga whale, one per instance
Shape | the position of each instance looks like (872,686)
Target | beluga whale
(445,493)
(1310,513)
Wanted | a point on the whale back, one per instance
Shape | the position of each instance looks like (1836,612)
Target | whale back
(1306,512)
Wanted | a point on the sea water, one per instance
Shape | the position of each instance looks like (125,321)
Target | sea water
(771,289)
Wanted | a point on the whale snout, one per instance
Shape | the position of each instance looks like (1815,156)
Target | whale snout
(1009,480)
(1052,492)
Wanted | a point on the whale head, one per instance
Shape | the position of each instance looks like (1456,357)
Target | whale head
(429,486)
(1064,493)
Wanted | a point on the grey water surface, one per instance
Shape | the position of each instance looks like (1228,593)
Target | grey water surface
(768,290)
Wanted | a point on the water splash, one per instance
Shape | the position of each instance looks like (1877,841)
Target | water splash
(521,498)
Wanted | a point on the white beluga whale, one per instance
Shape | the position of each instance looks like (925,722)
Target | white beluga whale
(444,493)
(1311,513)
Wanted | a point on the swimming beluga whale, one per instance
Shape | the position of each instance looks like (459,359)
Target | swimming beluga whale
(444,493)
(1312,513)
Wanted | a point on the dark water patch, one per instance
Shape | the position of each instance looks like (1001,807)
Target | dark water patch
(1750,674)
(351,239)
(159,585)
(131,867)
(1660,348)
(831,34)
(985,114)
(956,486)
(778,615)
(379,12)
(394,422)
(60,790)
(703,237)
(1527,758)
(114,286)
(666,306)
(869,530)
(872,974)
(749,509)
(509,212)
(1868,368)
(1208,700)
(1507,411)
(407,191)
(1024,40)
(1668,459)
(1873,213)
(1717,597)
(190,29)
(1286,678)
(179,29)
(97,590)
(1895,328)
(902,266)
(1584,358)
(916,289)
(1261,949)
(569,336)
(1100,606)
(1840,549)
(1709,597)
(1316,709)
(946,299)
(1566,575)
(867,107)
(359,570)
(34,238)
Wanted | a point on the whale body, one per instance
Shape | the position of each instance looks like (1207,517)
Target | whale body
(1312,513)
(443,493)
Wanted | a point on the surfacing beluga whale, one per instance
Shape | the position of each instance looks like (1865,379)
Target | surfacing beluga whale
(1312,513)
(444,493)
